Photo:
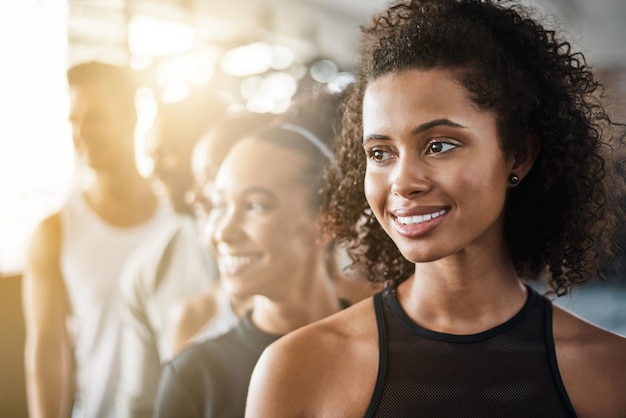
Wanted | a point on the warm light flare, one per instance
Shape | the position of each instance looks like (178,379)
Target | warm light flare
(254,58)
(149,36)
(36,156)
(146,105)
(271,93)
(176,92)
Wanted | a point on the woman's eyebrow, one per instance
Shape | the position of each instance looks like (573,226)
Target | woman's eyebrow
(259,191)
(437,122)
(421,128)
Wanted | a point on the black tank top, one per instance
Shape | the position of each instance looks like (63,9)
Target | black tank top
(507,371)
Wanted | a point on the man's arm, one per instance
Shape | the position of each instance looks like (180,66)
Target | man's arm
(48,351)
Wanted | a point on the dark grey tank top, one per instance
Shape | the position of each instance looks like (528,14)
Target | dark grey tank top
(507,371)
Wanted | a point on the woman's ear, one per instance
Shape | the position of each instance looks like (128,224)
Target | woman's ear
(525,156)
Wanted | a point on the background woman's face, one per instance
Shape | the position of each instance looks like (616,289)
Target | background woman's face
(263,230)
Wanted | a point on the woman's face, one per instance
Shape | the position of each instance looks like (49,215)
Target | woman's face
(436,176)
(263,231)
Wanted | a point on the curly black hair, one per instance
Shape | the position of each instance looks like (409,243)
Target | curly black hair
(559,222)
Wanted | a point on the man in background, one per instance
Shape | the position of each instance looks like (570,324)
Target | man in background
(71,282)
(173,264)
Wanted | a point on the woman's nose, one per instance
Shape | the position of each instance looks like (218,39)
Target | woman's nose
(409,177)
(227,227)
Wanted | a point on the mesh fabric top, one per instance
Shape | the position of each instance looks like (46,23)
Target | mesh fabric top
(507,371)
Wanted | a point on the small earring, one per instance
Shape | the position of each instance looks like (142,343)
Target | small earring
(513,179)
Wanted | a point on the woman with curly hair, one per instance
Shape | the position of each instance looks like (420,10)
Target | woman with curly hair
(475,155)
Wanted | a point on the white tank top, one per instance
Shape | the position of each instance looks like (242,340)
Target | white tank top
(92,255)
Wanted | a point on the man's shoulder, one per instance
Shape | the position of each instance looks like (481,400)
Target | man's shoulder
(50,224)
(45,240)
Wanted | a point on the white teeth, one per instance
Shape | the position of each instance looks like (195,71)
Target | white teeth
(418,219)
(233,262)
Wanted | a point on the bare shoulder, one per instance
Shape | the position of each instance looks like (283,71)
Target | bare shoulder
(43,265)
(45,302)
(592,363)
(350,328)
(323,369)
(45,243)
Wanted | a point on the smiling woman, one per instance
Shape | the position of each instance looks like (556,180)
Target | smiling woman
(264,228)
(449,152)
(254,211)
(476,156)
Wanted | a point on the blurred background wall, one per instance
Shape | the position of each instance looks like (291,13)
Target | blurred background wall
(258,54)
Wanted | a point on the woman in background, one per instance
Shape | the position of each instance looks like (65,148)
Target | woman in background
(264,223)
(212,312)
(173,264)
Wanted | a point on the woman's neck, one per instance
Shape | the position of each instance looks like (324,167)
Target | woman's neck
(463,294)
(307,300)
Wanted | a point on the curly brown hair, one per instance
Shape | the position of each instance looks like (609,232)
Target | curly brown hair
(560,221)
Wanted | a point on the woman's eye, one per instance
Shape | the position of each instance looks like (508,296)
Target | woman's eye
(436,147)
(379,155)
(256,207)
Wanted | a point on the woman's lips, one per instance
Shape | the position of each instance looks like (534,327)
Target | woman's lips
(413,224)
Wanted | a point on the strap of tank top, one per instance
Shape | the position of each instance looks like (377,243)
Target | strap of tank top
(382,353)
(554,367)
